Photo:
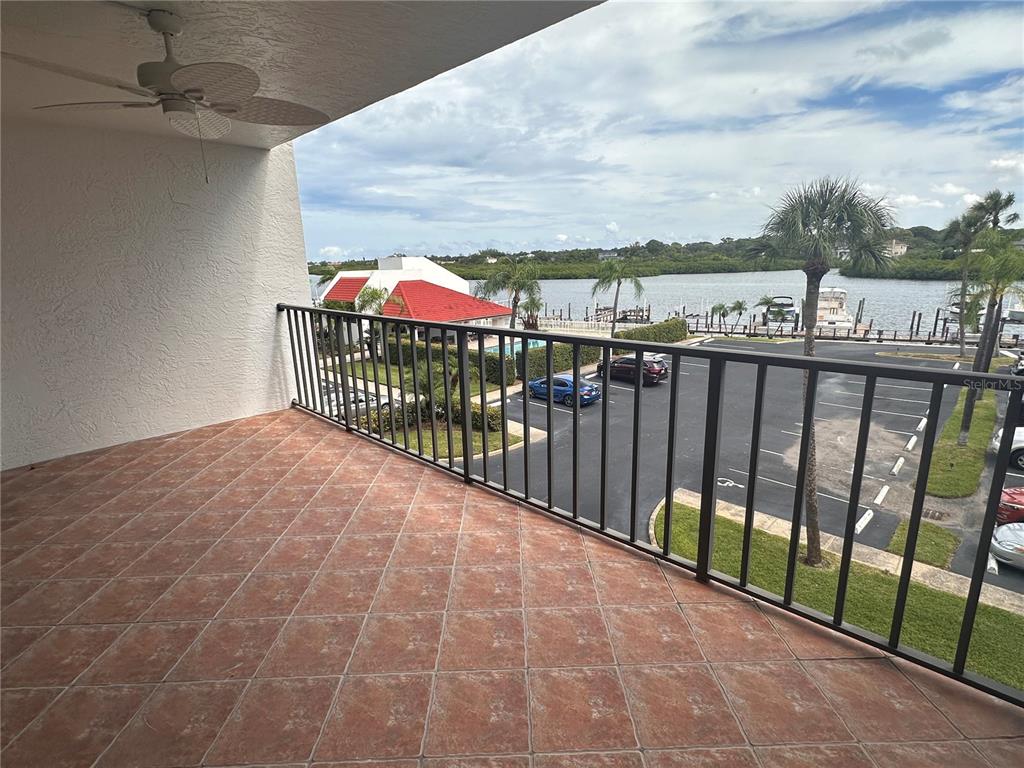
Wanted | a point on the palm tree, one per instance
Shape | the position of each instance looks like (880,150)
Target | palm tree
(371,301)
(531,307)
(737,308)
(718,314)
(779,316)
(828,222)
(615,272)
(765,301)
(961,233)
(1001,268)
(516,278)
(992,206)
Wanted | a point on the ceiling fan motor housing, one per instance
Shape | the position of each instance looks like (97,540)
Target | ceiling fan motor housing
(156,75)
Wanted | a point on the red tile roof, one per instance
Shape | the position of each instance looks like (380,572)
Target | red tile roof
(346,289)
(426,301)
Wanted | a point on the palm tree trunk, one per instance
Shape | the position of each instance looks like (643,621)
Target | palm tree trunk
(992,342)
(977,366)
(515,309)
(811,519)
(963,311)
(615,306)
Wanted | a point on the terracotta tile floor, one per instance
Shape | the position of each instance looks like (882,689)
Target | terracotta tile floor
(274,591)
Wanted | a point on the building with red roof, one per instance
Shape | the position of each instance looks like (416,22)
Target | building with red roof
(420,300)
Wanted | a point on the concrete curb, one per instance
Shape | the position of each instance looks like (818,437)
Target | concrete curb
(927,575)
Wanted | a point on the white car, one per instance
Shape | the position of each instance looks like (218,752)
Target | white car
(1008,544)
(1016,450)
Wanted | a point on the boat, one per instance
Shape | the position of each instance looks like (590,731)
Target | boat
(832,311)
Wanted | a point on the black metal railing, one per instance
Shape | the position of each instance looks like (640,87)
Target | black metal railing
(439,411)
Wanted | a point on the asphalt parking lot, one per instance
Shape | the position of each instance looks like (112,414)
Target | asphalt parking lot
(897,426)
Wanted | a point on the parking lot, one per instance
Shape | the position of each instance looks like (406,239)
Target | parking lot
(897,426)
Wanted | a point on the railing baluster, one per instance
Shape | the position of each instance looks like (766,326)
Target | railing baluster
(360,342)
(386,343)
(549,440)
(670,465)
(432,400)
(483,399)
(375,337)
(605,391)
(465,405)
(340,369)
(295,353)
(753,459)
(709,470)
(416,389)
(634,475)
(446,371)
(401,386)
(504,414)
(318,357)
(524,351)
(850,529)
(576,431)
(303,338)
(914,525)
(807,431)
(1010,421)
(315,385)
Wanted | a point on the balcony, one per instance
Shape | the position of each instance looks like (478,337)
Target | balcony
(282,590)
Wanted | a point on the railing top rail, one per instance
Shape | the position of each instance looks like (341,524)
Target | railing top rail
(957,378)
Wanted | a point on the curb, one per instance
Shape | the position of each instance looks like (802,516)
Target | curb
(927,575)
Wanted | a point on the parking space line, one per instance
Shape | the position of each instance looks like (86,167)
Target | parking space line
(774,453)
(790,485)
(786,432)
(857,408)
(881,397)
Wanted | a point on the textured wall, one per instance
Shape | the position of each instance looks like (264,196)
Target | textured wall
(137,300)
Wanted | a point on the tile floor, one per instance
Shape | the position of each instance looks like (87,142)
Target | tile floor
(276,591)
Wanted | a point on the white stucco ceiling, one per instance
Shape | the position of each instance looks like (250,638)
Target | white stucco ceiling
(337,57)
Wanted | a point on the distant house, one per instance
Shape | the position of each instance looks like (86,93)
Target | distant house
(422,290)
(608,255)
(894,249)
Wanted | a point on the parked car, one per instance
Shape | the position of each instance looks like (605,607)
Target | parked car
(357,399)
(1016,449)
(1011,506)
(624,367)
(1008,544)
(564,390)
(1017,369)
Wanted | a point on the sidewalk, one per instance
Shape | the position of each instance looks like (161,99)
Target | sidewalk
(928,575)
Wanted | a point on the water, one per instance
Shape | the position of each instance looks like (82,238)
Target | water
(511,347)
(890,303)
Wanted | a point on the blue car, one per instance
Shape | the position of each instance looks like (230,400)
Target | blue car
(564,389)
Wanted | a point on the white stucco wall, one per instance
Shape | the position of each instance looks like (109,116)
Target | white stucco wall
(136,299)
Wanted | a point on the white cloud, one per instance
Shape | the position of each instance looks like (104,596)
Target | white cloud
(612,227)
(1009,162)
(713,195)
(970,198)
(913,201)
(332,252)
(561,238)
(949,188)
(1003,100)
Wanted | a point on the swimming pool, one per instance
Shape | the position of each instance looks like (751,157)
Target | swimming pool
(512,347)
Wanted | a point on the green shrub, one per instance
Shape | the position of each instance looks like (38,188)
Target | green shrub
(493,416)
(561,359)
(667,332)
(492,360)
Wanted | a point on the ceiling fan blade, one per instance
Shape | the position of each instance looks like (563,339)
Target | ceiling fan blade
(80,106)
(272,112)
(78,74)
(203,123)
(220,81)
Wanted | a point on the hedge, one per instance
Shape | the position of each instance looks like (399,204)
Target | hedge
(561,359)
(667,332)
(409,412)
(492,360)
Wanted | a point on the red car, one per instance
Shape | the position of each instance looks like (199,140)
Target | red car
(1011,506)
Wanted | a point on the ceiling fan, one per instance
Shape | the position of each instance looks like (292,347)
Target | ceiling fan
(200,100)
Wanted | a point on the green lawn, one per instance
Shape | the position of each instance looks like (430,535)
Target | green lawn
(932,619)
(935,544)
(956,469)
(493,439)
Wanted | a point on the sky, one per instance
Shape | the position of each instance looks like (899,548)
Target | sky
(679,121)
